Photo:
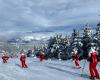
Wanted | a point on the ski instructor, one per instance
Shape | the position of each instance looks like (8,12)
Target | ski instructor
(93,58)
(23,61)
(76,58)
(42,56)
(5,58)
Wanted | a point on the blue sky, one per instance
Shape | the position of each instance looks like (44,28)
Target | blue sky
(41,15)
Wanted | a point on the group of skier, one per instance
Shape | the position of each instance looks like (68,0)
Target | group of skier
(92,58)
(22,58)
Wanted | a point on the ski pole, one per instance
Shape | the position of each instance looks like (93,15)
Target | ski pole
(83,69)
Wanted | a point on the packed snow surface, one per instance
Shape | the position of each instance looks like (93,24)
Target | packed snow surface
(46,70)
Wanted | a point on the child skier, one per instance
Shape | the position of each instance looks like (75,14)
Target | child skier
(42,56)
(23,61)
(93,58)
(76,58)
(4,58)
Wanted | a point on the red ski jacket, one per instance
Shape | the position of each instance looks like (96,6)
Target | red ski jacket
(42,56)
(23,58)
(76,56)
(94,57)
(5,57)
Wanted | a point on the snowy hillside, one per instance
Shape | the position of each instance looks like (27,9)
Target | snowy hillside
(27,37)
(47,70)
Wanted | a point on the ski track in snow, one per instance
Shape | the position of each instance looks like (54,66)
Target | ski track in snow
(46,70)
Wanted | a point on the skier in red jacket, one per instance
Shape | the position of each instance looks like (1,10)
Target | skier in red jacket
(93,58)
(76,58)
(4,58)
(23,61)
(42,56)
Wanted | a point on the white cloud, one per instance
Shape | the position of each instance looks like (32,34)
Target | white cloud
(23,15)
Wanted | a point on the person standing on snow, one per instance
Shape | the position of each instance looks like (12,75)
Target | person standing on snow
(93,58)
(42,56)
(4,58)
(23,61)
(76,58)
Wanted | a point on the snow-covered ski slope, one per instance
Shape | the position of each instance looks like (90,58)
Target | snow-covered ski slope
(46,70)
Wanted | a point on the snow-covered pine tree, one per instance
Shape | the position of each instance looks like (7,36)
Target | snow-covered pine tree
(76,42)
(97,37)
(51,49)
(66,47)
(57,47)
(63,48)
(87,40)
